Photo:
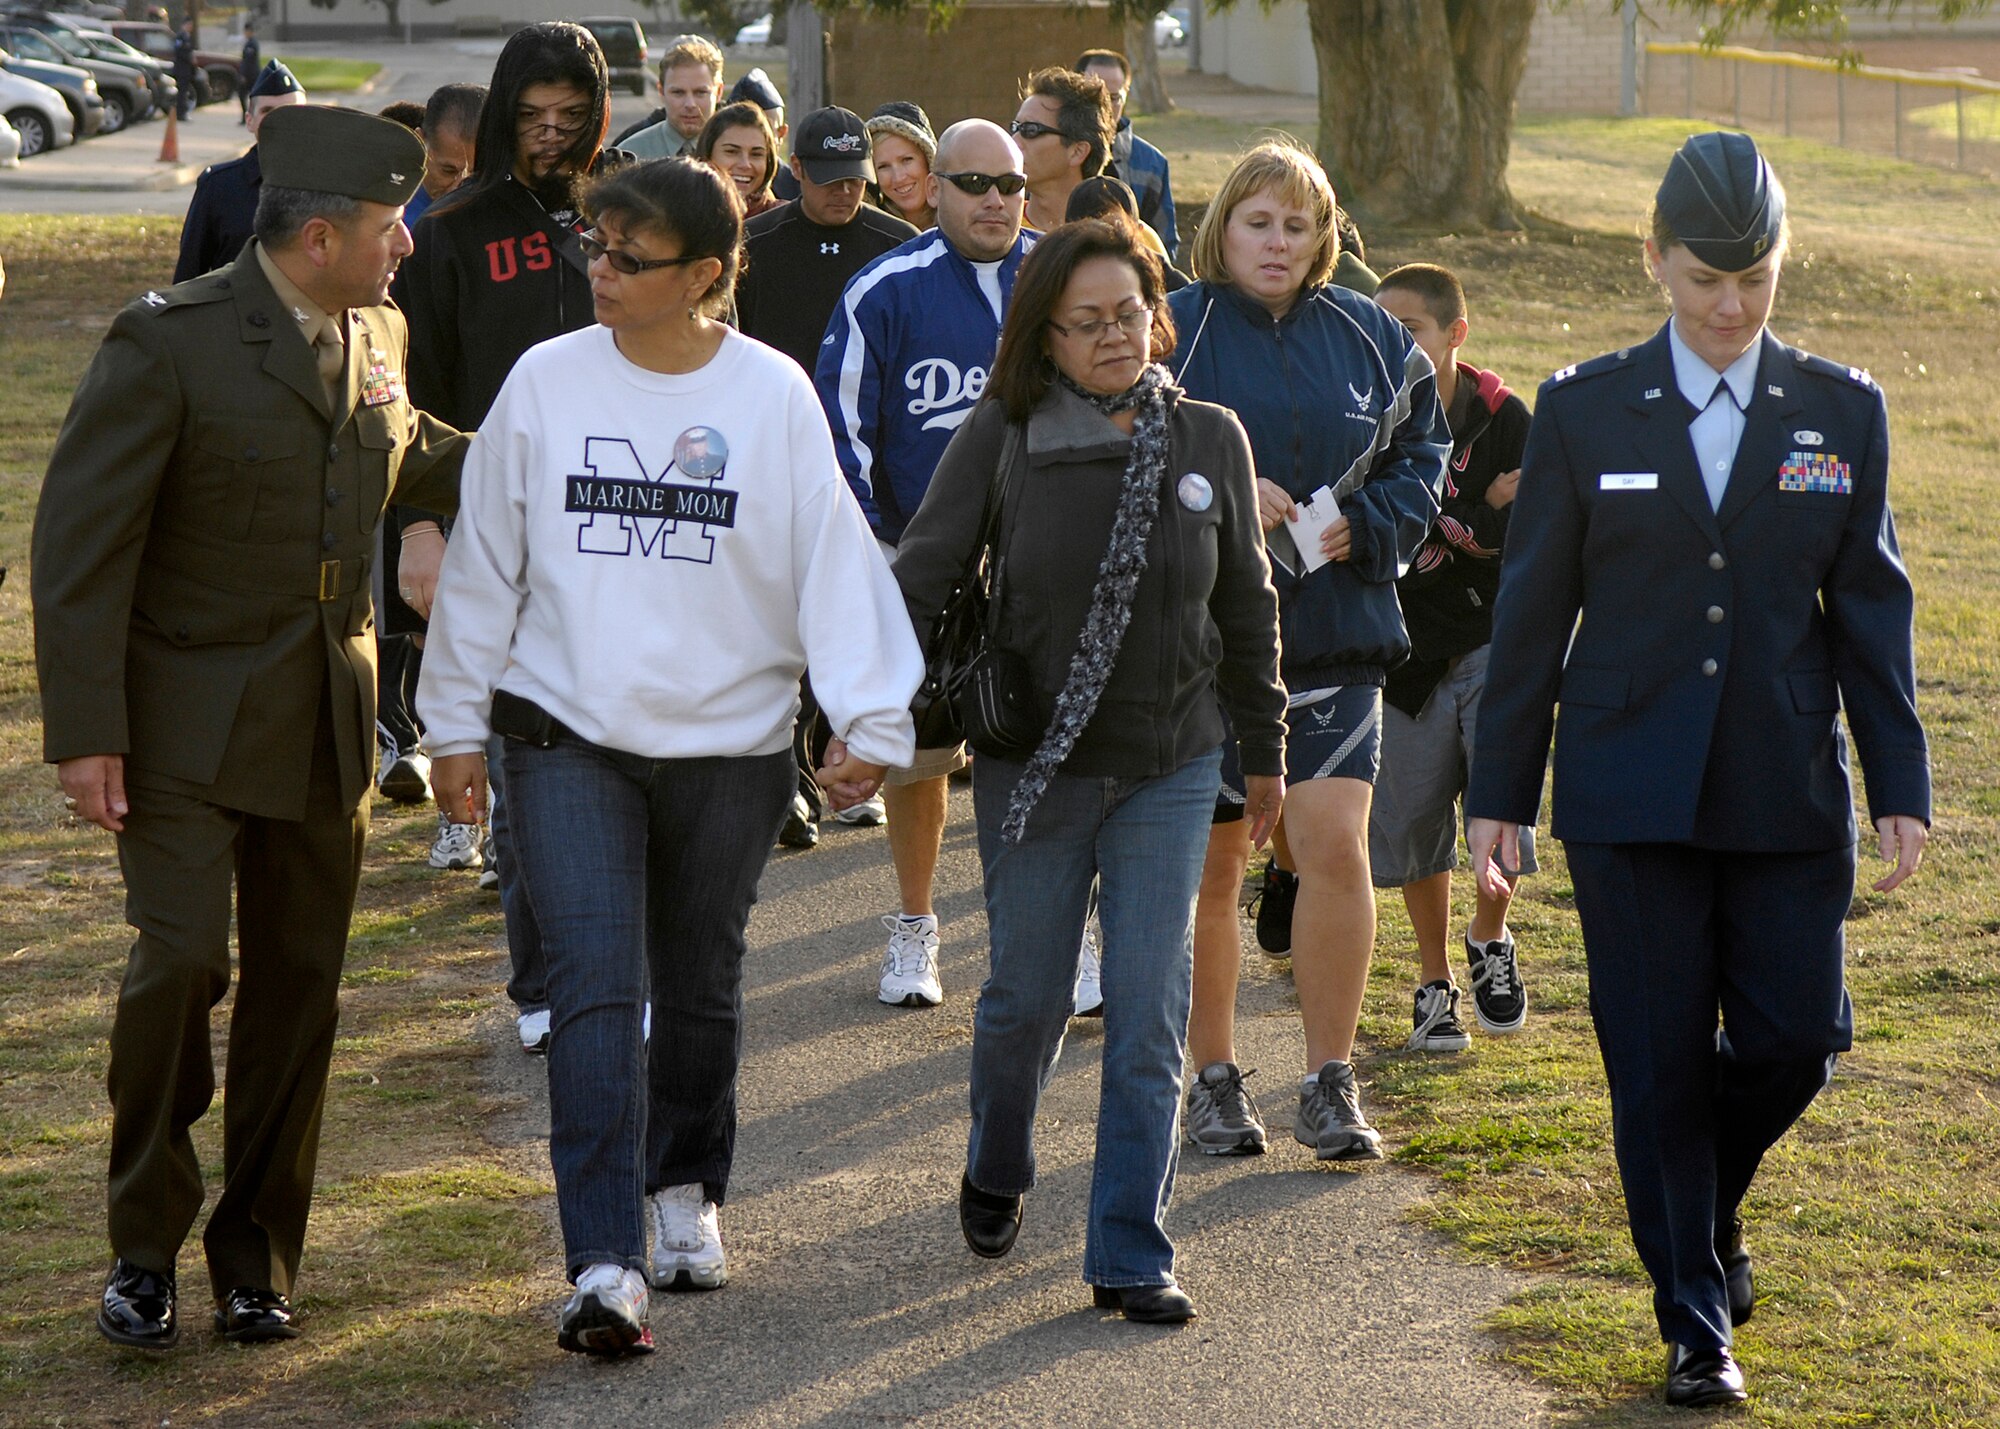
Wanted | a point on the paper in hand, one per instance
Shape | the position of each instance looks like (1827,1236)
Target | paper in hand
(1315,514)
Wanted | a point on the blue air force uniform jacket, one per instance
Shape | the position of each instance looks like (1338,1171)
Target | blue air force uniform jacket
(221,216)
(1701,694)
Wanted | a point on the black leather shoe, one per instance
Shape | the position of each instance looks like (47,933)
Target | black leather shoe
(1697,1379)
(248,1315)
(990,1222)
(138,1308)
(1146,1304)
(1736,1272)
(800,829)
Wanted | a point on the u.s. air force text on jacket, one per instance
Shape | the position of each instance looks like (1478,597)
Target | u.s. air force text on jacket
(1701,694)
(203,542)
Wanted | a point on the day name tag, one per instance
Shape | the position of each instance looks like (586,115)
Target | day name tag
(1628,481)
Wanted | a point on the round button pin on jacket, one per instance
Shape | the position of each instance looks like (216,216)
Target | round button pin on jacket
(1195,492)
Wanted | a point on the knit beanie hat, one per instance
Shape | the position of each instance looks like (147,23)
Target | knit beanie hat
(906,120)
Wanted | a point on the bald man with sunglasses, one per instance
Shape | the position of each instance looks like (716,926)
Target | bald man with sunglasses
(905,357)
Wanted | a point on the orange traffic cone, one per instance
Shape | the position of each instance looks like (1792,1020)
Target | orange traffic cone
(170,142)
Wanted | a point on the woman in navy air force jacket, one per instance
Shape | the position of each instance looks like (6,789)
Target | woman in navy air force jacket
(1702,569)
(1338,401)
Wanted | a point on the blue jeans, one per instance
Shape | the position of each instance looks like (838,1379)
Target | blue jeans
(1142,841)
(640,869)
(527,969)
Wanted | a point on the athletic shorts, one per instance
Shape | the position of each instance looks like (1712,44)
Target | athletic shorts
(1337,736)
(1414,825)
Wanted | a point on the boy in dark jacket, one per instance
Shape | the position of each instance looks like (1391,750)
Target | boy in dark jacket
(1430,705)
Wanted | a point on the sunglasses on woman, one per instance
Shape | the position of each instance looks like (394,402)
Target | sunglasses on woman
(978,184)
(594,248)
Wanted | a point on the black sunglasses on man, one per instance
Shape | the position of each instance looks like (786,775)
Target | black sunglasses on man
(978,184)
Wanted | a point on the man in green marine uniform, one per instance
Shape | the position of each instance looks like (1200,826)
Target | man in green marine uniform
(205,639)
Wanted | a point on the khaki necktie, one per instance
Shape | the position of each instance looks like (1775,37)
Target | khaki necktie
(331,353)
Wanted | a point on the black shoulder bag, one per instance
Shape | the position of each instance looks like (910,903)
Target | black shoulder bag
(973,689)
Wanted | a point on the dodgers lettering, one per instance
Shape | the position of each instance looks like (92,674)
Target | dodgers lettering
(709,506)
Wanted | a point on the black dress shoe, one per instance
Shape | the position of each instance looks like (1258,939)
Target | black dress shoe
(990,1222)
(800,829)
(1697,1379)
(1736,1272)
(248,1315)
(138,1308)
(1146,1304)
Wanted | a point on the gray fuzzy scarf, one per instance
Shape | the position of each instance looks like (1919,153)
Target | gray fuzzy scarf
(1117,581)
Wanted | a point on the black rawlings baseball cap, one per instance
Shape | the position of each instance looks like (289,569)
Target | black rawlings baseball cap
(833,144)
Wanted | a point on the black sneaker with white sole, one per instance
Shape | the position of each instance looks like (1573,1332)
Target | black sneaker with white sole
(1275,901)
(1435,1022)
(1499,997)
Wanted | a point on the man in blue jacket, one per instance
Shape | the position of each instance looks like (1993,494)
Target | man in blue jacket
(904,359)
(1132,158)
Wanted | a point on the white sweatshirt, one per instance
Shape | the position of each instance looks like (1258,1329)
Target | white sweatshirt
(655,559)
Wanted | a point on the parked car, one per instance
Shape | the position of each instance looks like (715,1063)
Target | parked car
(103,45)
(37,114)
(757,33)
(623,41)
(67,32)
(78,90)
(1169,31)
(126,93)
(10,145)
(215,70)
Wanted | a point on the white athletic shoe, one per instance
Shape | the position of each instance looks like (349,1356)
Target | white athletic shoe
(909,965)
(868,814)
(607,1314)
(456,846)
(1090,976)
(687,1240)
(534,1030)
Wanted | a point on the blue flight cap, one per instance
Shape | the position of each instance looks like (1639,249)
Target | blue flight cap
(1722,201)
(756,87)
(276,79)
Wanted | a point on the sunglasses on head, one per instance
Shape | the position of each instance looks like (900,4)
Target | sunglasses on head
(977,184)
(594,248)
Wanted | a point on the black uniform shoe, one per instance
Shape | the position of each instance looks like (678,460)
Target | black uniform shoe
(248,1315)
(1697,1379)
(800,831)
(1146,1304)
(1275,902)
(138,1308)
(990,1222)
(1736,1272)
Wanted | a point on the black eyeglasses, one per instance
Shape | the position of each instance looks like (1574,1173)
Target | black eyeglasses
(1033,129)
(594,248)
(977,184)
(1091,329)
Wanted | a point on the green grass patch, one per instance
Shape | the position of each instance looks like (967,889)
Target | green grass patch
(326,76)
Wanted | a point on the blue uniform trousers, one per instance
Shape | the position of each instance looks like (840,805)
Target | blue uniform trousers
(1677,938)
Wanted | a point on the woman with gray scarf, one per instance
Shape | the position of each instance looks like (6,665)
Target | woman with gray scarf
(1132,581)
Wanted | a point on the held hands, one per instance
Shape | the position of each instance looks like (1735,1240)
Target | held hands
(1902,840)
(847,781)
(1500,493)
(1496,855)
(94,789)
(1263,801)
(417,568)
(458,782)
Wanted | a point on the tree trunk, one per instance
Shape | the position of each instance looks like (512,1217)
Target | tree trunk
(1416,106)
(1149,91)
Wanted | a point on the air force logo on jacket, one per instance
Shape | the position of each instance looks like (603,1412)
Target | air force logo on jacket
(905,358)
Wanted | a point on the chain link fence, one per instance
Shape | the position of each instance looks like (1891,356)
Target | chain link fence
(1929,116)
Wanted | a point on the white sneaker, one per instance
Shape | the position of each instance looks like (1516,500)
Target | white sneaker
(687,1240)
(909,966)
(1090,976)
(456,846)
(868,814)
(607,1314)
(534,1030)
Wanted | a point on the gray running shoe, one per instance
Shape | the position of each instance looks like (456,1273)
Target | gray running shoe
(1330,1119)
(1437,1028)
(1221,1118)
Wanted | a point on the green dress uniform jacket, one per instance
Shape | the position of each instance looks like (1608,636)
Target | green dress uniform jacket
(203,543)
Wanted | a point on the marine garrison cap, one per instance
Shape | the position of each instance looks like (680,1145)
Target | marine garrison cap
(275,79)
(1722,201)
(325,150)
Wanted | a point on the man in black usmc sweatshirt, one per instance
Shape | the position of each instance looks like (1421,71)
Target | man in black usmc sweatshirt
(1430,705)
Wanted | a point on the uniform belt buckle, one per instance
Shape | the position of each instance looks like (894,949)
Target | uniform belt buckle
(329,580)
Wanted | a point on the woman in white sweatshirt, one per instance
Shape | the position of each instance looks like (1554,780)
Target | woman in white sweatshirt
(654,541)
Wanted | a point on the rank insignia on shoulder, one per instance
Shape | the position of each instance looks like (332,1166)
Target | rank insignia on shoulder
(1821,472)
(1860,378)
(1652,394)
(1565,374)
(154,300)
(380,386)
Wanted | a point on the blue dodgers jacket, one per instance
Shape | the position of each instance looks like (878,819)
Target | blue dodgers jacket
(1335,394)
(1702,688)
(904,359)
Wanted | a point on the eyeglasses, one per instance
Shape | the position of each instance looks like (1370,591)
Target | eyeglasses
(1132,324)
(594,248)
(529,127)
(1033,129)
(978,184)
